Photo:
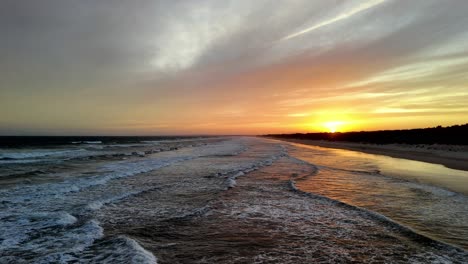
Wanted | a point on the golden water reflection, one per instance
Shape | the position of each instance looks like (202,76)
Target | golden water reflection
(429,198)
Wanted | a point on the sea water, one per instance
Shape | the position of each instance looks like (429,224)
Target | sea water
(83,200)
(417,194)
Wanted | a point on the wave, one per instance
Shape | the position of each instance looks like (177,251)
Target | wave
(89,151)
(381,218)
(231,180)
(119,249)
(16,226)
(54,221)
(36,154)
(27,234)
(96,205)
(87,142)
(109,172)
(14,161)
(92,150)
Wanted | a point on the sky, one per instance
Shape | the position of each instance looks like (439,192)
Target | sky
(136,67)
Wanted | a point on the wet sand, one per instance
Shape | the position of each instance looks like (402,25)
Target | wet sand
(454,157)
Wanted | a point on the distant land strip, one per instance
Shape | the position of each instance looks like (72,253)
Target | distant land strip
(447,146)
(452,135)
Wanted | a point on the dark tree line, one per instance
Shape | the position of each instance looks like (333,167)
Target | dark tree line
(453,135)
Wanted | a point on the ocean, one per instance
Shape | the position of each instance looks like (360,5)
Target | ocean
(222,200)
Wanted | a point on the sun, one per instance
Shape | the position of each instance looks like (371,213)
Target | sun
(333,126)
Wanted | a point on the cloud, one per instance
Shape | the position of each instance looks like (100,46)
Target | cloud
(175,64)
(345,15)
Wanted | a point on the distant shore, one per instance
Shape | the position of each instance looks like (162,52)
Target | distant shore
(454,157)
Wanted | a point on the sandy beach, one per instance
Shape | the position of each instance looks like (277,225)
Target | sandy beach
(454,157)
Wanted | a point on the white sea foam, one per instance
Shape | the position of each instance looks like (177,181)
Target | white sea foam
(52,222)
(120,249)
(33,153)
(15,161)
(109,172)
(30,210)
(138,253)
(231,183)
(87,142)
(96,205)
(153,142)
(255,165)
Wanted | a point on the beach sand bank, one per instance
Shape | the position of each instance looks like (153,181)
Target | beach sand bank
(454,157)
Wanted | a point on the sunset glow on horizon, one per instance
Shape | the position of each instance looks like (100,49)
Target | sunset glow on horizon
(231,67)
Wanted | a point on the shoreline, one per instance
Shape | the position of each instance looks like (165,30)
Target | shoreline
(267,219)
(451,159)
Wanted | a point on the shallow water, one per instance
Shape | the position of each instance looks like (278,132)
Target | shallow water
(218,200)
(420,195)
